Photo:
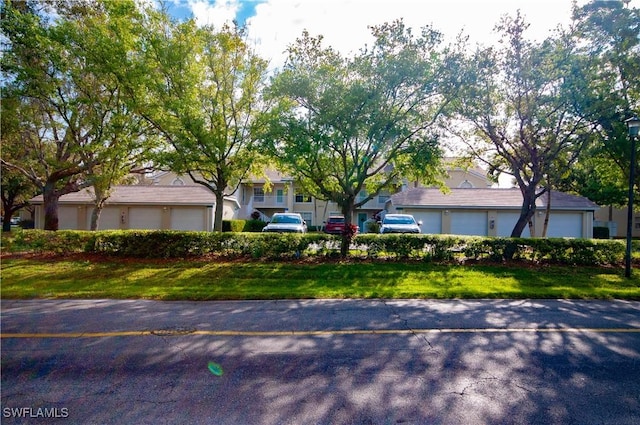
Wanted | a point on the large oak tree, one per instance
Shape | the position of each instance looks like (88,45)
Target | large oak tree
(61,66)
(522,103)
(202,92)
(348,125)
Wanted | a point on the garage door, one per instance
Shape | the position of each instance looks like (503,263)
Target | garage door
(507,221)
(145,218)
(431,221)
(469,223)
(68,218)
(565,225)
(188,218)
(109,219)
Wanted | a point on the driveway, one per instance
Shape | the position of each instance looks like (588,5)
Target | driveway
(321,362)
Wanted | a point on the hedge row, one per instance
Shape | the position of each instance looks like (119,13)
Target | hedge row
(175,244)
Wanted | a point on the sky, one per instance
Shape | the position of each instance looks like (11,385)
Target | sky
(275,24)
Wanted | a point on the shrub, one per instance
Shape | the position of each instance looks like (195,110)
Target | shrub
(233,225)
(253,225)
(178,244)
(371,226)
(46,241)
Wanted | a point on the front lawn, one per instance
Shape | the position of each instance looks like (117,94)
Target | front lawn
(101,277)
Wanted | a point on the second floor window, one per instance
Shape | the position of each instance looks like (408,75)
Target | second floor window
(382,199)
(301,197)
(258,194)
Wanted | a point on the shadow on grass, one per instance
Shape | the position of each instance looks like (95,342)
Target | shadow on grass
(197,280)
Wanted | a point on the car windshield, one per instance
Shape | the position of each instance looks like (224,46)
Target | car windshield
(399,220)
(282,219)
(336,220)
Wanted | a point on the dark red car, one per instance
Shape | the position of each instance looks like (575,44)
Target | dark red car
(334,225)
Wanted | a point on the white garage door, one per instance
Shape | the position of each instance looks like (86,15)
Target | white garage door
(68,218)
(188,218)
(469,223)
(145,218)
(431,221)
(506,222)
(565,225)
(109,219)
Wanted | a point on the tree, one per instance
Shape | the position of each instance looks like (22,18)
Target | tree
(350,125)
(63,71)
(522,105)
(16,188)
(202,94)
(607,39)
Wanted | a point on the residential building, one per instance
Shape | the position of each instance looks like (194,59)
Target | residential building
(493,212)
(140,207)
(471,207)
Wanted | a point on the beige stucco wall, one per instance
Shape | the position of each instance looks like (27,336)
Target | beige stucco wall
(619,216)
(78,217)
(493,220)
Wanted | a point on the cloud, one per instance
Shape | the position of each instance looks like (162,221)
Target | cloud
(217,13)
(344,23)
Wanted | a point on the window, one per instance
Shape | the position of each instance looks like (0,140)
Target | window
(300,197)
(280,196)
(177,182)
(307,216)
(383,198)
(466,185)
(258,194)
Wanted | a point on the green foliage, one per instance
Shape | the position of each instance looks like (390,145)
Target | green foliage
(520,102)
(372,226)
(351,126)
(233,225)
(202,90)
(67,96)
(45,241)
(253,225)
(607,40)
(430,248)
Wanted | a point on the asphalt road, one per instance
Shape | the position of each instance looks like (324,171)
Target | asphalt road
(321,362)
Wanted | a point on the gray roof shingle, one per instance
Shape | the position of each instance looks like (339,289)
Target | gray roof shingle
(484,199)
(144,195)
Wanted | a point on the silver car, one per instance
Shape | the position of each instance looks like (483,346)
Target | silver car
(400,223)
(286,223)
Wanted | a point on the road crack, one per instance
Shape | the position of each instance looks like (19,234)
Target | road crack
(420,336)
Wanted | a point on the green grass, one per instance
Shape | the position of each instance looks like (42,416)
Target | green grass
(200,280)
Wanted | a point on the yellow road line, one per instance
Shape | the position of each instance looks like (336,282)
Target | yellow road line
(165,332)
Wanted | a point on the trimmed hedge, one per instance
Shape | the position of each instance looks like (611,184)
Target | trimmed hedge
(243,225)
(436,248)
(42,241)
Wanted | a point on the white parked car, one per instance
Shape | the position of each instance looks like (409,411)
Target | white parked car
(400,223)
(286,223)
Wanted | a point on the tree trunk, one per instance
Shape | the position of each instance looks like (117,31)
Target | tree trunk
(523,221)
(526,213)
(51,198)
(6,223)
(347,234)
(547,213)
(95,215)
(217,220)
